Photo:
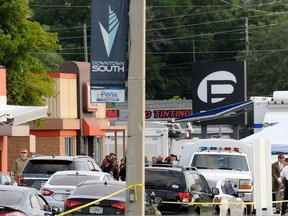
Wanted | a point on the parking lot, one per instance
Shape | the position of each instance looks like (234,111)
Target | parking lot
(63,184)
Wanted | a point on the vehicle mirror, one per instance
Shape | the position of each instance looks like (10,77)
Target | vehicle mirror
(215,191)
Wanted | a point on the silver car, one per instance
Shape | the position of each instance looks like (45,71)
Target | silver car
(23,201)
(5,179)
(230,202)
(62,183)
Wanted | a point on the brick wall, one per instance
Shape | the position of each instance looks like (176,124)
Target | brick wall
(15,144)
(48,145)
(44,146)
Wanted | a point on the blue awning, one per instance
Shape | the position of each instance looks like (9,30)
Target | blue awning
(230,110)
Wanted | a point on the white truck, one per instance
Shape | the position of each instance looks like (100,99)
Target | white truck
(268,111)
(156,141)
(222,158)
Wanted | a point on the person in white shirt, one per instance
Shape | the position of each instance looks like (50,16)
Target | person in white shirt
(284,179)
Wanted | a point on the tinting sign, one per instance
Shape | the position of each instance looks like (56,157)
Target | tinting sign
(216,84)
(108,43)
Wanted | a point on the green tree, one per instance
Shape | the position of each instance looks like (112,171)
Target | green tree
(23,51)
(181,32)
(66,18)
(267,58)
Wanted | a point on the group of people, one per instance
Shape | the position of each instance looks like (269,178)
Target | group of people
(171,159)
(111,165)
(280,181)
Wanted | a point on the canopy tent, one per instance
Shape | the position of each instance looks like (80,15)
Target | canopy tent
(15,115)
(220,112)
(276,134)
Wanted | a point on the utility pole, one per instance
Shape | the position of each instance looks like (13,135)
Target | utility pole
(136,110)
(193,51)
(247,35)
(85,42)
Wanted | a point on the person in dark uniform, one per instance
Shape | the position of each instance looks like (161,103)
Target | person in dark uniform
(122,172)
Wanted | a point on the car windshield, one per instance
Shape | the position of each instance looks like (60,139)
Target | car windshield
(50,166)
(10,198)
(71,180)
(217,161)
(163,179)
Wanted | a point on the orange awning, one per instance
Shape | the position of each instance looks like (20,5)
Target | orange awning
(91,127)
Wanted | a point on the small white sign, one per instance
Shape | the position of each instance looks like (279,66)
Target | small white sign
(107,95)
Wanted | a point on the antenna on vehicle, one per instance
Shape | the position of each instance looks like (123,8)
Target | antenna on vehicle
(76,164)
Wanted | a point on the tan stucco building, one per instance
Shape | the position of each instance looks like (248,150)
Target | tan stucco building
(73,125)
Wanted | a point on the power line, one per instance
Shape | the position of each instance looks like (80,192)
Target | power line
(184,52)
(193,36)
(180,26)
(61,6)
(66,29)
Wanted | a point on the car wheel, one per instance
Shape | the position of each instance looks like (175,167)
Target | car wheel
(215,213)
(196,212)
(245,212)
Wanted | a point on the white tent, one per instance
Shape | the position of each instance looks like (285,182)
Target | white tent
(277,135)
(21,114)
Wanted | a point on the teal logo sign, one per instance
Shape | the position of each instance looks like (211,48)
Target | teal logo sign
(108,45)
(109,36)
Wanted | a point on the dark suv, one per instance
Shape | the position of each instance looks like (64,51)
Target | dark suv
(179,184)
(38,169)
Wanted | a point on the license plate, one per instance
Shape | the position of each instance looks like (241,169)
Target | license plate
(96,210)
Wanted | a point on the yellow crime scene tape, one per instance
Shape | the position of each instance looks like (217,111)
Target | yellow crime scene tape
(208,203)
(179,203)
(213,203)
(103,198)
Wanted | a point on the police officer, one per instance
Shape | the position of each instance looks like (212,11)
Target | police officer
(19,164)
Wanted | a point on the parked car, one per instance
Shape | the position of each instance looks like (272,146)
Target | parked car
(5,179)
(92,190)
(230,202)
(22,201)
(39,169)
(61,184)
(180,184)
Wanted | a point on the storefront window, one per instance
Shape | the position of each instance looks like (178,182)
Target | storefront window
(69,146)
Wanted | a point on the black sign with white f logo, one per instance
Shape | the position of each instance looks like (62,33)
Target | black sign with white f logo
(217,84)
